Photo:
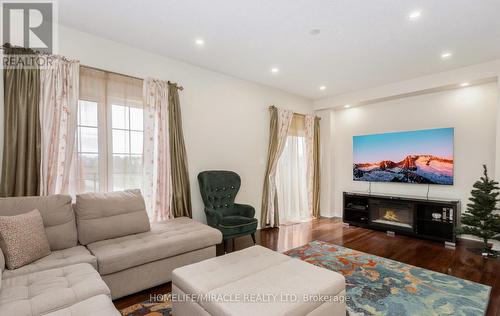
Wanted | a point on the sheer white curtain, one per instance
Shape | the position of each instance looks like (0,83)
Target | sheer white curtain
(291,182)
(58,113)
(157,187)
(293,176)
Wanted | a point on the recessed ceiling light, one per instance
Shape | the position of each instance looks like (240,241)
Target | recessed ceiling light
(275,70)
(199,42)
(464,84)
(446,55)
(322,88)
(414,15)
(347,106)
(314,31)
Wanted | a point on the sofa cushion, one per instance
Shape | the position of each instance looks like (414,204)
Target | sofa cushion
(103,216)
(50,290)
(23,239)
(98,305)
(57,259)
(166,239)
(57,213)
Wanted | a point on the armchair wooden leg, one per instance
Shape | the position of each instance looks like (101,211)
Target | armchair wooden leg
(226,242)
(253,238)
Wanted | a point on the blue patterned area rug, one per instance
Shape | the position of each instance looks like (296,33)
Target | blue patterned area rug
(148,308)
(379,286)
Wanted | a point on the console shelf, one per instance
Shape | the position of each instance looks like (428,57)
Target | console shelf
(434,219)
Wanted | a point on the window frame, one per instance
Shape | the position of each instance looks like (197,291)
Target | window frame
(109,145)
(102,164)
(105,141)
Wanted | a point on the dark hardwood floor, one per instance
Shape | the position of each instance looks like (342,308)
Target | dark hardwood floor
(459,262)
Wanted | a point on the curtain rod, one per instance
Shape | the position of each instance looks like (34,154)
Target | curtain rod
(294,113)
(119,74)
(31,51)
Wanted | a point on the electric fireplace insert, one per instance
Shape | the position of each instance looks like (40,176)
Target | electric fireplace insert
(389,213)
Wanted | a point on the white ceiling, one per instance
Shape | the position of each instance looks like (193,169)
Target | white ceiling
(362,44)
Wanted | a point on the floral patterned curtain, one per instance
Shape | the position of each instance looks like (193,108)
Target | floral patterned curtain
(59,84)
(157,187)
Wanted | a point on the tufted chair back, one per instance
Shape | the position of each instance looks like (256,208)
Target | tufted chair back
(218,190)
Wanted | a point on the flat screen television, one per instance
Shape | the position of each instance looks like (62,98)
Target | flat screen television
(424,156)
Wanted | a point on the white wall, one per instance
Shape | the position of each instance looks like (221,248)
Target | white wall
(225,120)
(497,145)
(472,111)
(327,162)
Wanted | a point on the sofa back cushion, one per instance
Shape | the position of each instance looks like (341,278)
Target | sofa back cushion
(103,216)
(57,214)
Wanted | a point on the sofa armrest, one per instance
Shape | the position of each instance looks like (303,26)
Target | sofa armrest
(213,217)
(244,210)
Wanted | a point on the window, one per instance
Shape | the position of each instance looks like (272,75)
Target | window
(127,133)
(109,133)
(87,148)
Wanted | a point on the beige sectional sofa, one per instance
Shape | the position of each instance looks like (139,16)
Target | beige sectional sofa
(102,247)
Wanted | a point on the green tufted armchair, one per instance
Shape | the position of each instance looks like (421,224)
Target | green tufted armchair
(218,191)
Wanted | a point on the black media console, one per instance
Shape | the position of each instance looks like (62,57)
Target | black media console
(433,219)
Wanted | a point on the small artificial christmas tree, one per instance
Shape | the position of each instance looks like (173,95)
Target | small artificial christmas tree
(481,220)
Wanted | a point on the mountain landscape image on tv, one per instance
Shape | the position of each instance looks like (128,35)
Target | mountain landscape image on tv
(424,156)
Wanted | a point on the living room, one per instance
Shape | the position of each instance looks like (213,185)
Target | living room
(250,158)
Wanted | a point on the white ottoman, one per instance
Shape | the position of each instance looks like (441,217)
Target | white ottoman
(257,281)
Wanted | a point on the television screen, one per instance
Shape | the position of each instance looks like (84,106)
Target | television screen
(424,156)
